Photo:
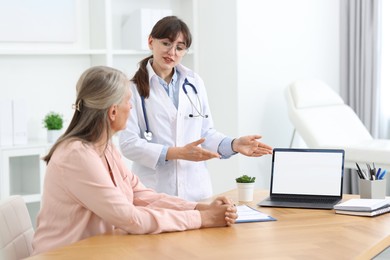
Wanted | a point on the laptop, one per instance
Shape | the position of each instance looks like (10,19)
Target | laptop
(306,178)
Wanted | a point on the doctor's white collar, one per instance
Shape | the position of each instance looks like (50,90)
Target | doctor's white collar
(183,71)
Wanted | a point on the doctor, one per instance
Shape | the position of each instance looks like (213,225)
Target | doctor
(170,132)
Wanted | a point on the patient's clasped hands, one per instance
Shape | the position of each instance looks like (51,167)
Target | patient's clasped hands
(220,212)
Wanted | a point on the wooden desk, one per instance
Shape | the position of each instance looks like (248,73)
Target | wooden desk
(297,234)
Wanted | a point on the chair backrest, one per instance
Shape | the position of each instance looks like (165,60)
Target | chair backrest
(321,117)
(16,229)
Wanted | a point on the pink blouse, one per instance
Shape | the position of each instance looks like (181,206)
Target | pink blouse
(80,199)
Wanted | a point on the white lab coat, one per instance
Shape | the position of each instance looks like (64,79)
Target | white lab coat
(172,127)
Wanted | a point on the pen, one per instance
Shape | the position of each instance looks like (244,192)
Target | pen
(371,173)
(359,172)
(378,173)
(362,174)
(366,175)
(382,176)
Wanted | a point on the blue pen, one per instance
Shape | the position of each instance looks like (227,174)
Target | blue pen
(378,174)
(382,176)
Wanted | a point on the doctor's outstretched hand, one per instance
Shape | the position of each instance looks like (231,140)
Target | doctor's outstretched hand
(191,152)
(249,146)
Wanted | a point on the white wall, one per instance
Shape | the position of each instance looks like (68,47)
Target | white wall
(217,65)
(292,40)
(252,50)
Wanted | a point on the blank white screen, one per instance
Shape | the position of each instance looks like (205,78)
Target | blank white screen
(309,173)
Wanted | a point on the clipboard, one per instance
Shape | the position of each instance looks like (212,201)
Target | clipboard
(247,214)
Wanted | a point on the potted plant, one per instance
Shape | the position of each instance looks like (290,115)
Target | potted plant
(245,179)
(53,122)
(245,187)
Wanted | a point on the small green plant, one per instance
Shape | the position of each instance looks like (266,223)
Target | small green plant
(53,121)
(245,179)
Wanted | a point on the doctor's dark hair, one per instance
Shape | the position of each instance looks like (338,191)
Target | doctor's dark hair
(98,88)
(168,27)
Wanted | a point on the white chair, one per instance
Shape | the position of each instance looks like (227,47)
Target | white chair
(323,120)
(16,229)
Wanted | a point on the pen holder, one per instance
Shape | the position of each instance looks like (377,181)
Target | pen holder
(375,189)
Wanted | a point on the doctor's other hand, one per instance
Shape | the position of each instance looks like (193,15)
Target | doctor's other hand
(191,152)
(249,146)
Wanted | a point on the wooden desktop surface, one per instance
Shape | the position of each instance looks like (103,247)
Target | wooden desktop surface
(297,234)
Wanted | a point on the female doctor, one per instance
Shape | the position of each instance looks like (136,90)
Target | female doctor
(170,132)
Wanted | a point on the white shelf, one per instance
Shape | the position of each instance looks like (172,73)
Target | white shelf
(130,52)
(22,172)
(75,52)
(105,34)
(30,145)
(31,198)
(16,52)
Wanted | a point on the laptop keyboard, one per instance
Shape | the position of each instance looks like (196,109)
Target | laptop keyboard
(305,200)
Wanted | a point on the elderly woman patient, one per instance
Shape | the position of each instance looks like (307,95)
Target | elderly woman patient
(89,191)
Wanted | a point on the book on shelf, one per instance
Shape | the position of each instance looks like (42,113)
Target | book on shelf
(366,205)
(376,212)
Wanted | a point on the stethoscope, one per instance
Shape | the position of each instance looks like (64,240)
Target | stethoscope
(149,135)
(199,111)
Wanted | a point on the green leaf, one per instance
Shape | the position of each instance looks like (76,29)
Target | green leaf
(53,121)
(245,179)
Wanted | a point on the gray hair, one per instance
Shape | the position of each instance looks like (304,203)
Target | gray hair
(97,89)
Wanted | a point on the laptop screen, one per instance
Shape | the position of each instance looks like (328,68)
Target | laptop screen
(307,171)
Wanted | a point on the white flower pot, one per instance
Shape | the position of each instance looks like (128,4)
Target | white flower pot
(53,135)
(245,191)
